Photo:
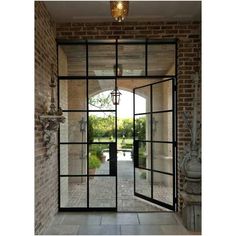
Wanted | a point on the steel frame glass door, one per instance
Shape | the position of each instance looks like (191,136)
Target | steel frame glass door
(80,188)
(155,144)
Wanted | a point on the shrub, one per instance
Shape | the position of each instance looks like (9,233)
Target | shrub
(143,175)
(94,162)
(127,145)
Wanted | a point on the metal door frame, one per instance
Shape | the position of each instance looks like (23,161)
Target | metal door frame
(151,141)
(115,42)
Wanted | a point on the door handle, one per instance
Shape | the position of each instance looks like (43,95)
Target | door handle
(113,159)
(136,153)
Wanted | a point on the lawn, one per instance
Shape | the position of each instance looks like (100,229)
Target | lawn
(128,141)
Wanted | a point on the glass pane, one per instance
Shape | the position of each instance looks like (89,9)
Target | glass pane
(102,192)
(144,157)
(142,127)
(162,96)
(143,182)
(140,94)
(100,94)
(72,60)
(73,191)
(73,94)
(161,59)
(162,126)
(132,59)
(98,159)
(102,59)
(163,187)
(75,127)
(101,126)
(162,157)
(73,159)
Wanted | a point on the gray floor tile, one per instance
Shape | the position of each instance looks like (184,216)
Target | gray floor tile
(141,229)
(174,230)
(62,230)
(120,219)
(99,230)
(57,219)
(157,218)
(81,219)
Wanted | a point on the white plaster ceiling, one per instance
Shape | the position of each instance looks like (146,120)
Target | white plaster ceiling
(90,11)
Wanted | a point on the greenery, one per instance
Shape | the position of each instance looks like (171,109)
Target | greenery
(94,162)
(127,146)
(97,150)
(142,156)
(104,127)
(143,175)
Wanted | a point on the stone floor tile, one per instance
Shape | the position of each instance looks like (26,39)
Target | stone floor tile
(120,218)
(141,230)
(57,219)
(174,230)
(81,219)
(99,230)
(157,218)
(62,230)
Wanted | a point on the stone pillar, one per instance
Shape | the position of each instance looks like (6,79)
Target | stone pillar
(191,212)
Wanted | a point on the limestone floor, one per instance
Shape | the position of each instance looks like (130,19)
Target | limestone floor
(104,223)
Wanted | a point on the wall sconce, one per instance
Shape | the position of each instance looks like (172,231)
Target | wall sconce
(119,69)
(51,120)
(115,96)
(154,124)
(82,124)
(119,9)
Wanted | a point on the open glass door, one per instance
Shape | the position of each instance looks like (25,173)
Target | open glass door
(155,144)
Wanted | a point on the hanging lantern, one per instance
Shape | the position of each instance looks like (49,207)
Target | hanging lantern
(115,96)
(119,9)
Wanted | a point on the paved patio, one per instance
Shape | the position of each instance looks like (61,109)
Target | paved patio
(102,189)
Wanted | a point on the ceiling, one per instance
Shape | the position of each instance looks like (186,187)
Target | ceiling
(90,11)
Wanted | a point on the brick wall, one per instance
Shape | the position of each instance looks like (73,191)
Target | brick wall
(189,53)
(46,184)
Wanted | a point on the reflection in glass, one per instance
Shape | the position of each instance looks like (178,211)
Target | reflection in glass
(102,59)
(71,131)
(161,59)
(73,94)
(162,96)
(142,127)
(144,155)
(162,126)
(98,160)
(132,59)
(101,126)
(73,159)
(162,157)
(163,187)
(102,192)
(144,92)
(143,182)
(73,191)
(72,60)
(99,92)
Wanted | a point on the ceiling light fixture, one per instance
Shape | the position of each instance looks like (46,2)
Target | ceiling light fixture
(119,9)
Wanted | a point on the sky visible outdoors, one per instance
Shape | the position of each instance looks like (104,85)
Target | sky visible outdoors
(125,108)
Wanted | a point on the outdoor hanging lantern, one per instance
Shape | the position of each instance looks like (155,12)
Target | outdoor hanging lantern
(115,96)
(119,9)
